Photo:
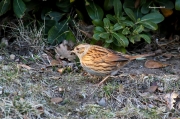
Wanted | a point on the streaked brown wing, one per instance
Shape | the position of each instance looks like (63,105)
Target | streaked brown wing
(101,54)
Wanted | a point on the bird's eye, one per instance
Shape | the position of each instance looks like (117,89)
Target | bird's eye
(77,48)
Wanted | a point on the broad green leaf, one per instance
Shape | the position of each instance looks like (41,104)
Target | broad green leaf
(106,45)
(117,27)
(58,32)
(19,8)
(94,11)
(153,17)
(145,7)
(177,5)
(130,13)
(131,39)
(104,35)
(111,18)
(117,8)
(96,36)
(145,37)
(106,23)
(48,25)
(128,23)
(121,39)
(109,40)
(97,22)
(55,15)
(138,29)
(4,6)
(150,25)
(166,3)
(108,4)
(126,31)
(70,36)
(99,29)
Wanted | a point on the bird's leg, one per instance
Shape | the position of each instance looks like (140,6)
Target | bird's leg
(111,75)
(103,80)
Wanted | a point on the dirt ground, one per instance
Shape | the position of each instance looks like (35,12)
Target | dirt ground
(32,90)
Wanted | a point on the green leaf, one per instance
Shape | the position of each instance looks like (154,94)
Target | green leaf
(153,17)
(145,7)
(166,3)
(134,38)
(109,41)
(57,33)
(99,29)
(130,14)
(131,39)
(55,15)
(145,37)
(117,27)
(104,35)
(122,40)
(19,8)
(111,18)
(48,25)
(106,45)
(117,8)
(96,36)
(128,23)
(106,23)
(108,4)
(150,25)
(177,5)
(126,31)
(138,29)
(4,6)
(94,11)
(97,22)
(70,36)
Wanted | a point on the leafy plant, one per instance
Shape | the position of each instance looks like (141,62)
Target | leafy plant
(124,26)
(53,15)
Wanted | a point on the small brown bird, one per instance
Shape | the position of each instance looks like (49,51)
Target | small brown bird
(101,61)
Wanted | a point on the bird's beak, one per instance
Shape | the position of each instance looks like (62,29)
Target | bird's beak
(72,51)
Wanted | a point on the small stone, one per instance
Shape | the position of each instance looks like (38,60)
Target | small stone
(1,58)
(56,100)
(102,102)
(1,90)
(4,41)
(12,56)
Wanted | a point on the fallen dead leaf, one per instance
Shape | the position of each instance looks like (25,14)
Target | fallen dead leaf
(55,77)
(56,100)
(24,66)
(154,64)
(54,62)
(152,89)
(61,70)
(63,52)
(170,99)
(121,88)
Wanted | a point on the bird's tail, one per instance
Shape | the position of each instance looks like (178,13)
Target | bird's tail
(138,56)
